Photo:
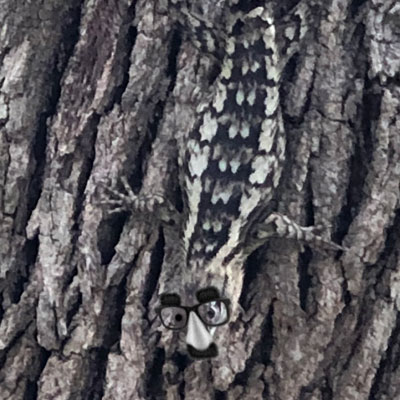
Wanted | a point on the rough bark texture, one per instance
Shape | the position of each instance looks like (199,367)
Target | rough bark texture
(86,89)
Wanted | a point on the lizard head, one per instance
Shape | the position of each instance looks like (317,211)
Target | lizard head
(201,319)
(202,301)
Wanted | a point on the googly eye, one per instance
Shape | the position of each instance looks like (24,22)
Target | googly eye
(173,317)
(213,313)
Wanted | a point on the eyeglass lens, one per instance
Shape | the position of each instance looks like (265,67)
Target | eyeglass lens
(213,312)
(173,317)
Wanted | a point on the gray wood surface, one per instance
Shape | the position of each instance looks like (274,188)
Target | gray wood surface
(87,89)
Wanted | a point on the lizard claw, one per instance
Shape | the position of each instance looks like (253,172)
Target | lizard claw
(278,225)
(126,200)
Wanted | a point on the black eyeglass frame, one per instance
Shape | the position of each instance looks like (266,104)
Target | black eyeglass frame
(188,309)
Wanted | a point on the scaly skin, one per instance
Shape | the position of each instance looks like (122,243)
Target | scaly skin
(230,164)
(233,159)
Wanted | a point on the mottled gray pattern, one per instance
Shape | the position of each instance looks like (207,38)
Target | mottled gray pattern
(233,157)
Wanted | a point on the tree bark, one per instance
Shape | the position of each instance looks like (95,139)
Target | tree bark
(87,89)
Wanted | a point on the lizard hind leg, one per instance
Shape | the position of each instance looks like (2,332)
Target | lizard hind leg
(207,36)
(292,29)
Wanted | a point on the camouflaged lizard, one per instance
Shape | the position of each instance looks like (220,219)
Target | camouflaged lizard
(231,162)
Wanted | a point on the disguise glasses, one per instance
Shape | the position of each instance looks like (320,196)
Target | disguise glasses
(212,313)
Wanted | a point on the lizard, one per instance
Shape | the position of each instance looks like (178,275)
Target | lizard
(230,163)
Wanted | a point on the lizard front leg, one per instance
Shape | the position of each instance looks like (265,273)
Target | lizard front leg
(280,226)
(155,197)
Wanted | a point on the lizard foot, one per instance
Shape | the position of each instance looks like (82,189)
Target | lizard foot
(127,200)
(281,226)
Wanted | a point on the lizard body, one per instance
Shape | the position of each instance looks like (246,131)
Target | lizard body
(233,157)
(230,163)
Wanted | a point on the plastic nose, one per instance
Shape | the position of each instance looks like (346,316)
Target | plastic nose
(197,334)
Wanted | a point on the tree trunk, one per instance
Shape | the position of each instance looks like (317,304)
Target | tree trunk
(87,89)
